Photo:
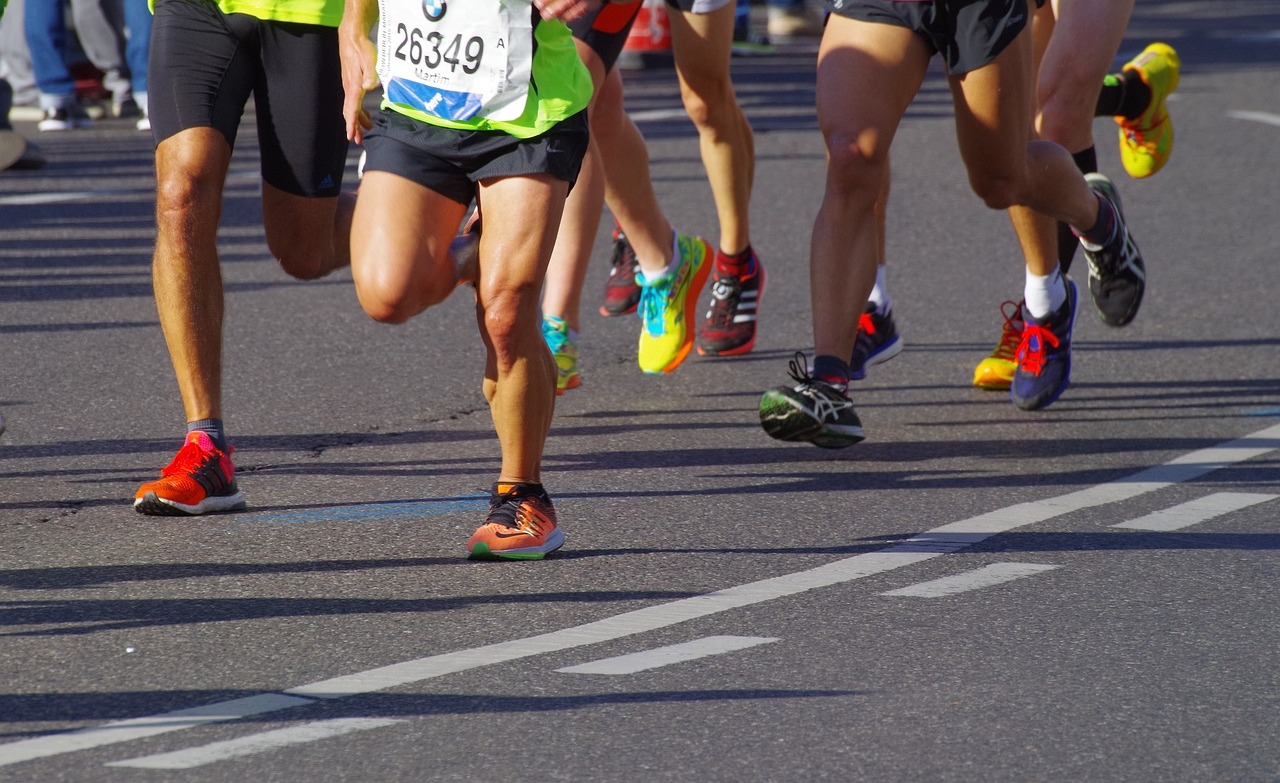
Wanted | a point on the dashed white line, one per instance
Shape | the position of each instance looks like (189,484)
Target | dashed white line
(1196,511)
(932,543)
(1263,117)
(987,576)
(665,656)
(189,758)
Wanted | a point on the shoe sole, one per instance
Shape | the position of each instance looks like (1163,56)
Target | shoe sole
(152,504)
(555,540)
(749,345)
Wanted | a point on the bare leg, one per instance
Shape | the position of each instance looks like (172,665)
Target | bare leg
(702,45)
(190,170)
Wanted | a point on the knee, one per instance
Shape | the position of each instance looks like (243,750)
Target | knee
(183,198)
(856,162)
(503,320)
(302,261)
(710,106)
(997,191)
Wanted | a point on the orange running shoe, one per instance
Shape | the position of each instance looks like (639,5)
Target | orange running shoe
(521,525)
(200,480)
(995,372)
(1147,141)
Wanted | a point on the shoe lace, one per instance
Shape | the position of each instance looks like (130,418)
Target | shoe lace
(1031,351)
(828,402)
(509,510)
(726,292)
(189,459)
(555,338)
(622,262)
(1010,332)
(653,304)
(1136,137)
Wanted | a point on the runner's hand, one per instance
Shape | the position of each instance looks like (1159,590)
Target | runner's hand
(359,75)
(566,10)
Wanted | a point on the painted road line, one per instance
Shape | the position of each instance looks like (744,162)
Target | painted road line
(665,656)
(932,543)
(138,728)
(987,576)
(1196,511)
(255,743)
(1266,118)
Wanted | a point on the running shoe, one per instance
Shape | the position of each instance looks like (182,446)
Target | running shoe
(729,328)
(1044,356)
(1147,140)
(877,341)
(812,411)
(1117,273)
(521,526)
(200,480)
(995,372)
(621,291)
(668,304)
(64,119)
(563,343)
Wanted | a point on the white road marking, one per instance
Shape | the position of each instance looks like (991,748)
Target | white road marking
(1263,117)
(1196,511)
(255,743)
(137,728)
(987,576)
(932,543)
(665,656)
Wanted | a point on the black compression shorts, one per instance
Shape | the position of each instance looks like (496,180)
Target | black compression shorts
(606,30)
(204,64)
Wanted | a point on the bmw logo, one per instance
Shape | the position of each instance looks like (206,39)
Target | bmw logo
(434,9)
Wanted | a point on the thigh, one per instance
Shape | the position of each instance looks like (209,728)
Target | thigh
(200,67)
(702,43)
(994,106)
(868,74)
(1086,36)
(400,235)
(301,131)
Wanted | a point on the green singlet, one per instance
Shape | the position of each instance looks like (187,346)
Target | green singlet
(322,12)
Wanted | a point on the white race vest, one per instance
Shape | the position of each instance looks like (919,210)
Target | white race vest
(457,59)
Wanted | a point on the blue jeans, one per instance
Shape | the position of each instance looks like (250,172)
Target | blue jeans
(46,29)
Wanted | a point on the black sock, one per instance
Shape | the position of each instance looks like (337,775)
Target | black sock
(213,428)
(1104,229)
(1087,161)
(831,370)
(1132,99)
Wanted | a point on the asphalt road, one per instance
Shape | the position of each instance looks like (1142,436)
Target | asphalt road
(974,593)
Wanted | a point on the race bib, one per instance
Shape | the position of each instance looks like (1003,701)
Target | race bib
(457,59)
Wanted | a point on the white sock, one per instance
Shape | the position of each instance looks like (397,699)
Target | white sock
(649,277)
(1045,294)
(880,293)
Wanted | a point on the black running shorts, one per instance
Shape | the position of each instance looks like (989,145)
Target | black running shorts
(968,33)
(606,30)
(451,162)
(204,64)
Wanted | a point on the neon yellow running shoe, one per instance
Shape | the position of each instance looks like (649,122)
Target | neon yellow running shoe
(563,343)
(995,373)
(1147,141)
(668,306)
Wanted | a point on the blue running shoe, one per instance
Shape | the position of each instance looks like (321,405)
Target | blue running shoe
(877,341)
(1044,356)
